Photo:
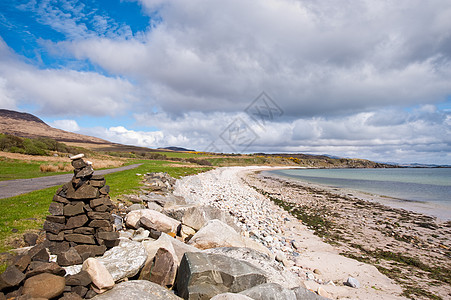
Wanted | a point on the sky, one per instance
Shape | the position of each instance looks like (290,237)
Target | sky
(360,79)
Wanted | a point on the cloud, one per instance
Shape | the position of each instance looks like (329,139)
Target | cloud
(75,19)
(61,91)
(68,125)
(314,58)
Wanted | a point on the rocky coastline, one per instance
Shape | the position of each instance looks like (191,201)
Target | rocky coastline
(411,248)
(233,233)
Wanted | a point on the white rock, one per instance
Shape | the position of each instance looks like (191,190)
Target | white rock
(352,282)
(100,276)
(125,260)
(218,234)
(74,157)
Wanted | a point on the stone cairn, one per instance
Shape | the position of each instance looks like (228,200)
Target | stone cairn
(80,224)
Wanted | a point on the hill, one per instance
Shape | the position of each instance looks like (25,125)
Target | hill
(29,126)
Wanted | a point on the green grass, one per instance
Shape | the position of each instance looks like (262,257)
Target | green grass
(19,169)
(28,211)
(127,181)
(181,154)
(23,212)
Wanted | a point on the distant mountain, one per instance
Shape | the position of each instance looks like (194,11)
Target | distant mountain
(29,126)
(176,149)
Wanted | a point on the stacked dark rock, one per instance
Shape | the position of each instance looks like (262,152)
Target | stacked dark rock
(80,224)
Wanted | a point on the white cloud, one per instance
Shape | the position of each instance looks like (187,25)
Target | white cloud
(61,91)
(68,125)
(315,58)
(122,135)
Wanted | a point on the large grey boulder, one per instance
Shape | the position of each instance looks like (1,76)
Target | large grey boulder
(203,275)
(269,291)
(218,234)
(164,200)
(274,271)
(197,216)
(124,260)
(137,289)
(163,258)
(167,242)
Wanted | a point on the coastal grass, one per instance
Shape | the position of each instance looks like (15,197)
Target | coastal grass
(18,169)
(21,213)
(128,181)
(25,212)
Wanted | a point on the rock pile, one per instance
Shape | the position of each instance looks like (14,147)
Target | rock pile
(33,276)
(80,221)
(177,250)
(160,182)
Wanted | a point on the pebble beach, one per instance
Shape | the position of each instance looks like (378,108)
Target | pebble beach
(352,238)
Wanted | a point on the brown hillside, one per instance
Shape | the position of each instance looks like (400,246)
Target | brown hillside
(29,126)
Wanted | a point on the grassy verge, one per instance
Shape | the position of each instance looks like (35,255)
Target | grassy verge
(19,169)
(27,212)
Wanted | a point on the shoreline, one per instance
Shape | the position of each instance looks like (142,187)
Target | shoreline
(411,248)
(433,209)
(316,265)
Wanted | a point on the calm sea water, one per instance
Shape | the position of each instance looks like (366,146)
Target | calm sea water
(420,189)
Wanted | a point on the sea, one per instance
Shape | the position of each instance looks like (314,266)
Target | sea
(424,190)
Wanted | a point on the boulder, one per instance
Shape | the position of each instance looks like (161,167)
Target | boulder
(197,216)
(140,234)
(11,277)
(56,209)
(167,255)
(80,238)
(273,270)
(37,267)
(231,296)
(164,201)
(135,206)
(167,242)
(138,289)
(218,234)
(151,219)
(352,282)
(77,221)
(203,275)
(73,209)
(101,278)
(186,233)
(269,291)
(164,268)
(69,258)
(125,260)
(44,285)
(53,227)
(86,191)
(178,211)
(82,278)
(30,238)
(22,262)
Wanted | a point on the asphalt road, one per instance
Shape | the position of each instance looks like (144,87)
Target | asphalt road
(10,188)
